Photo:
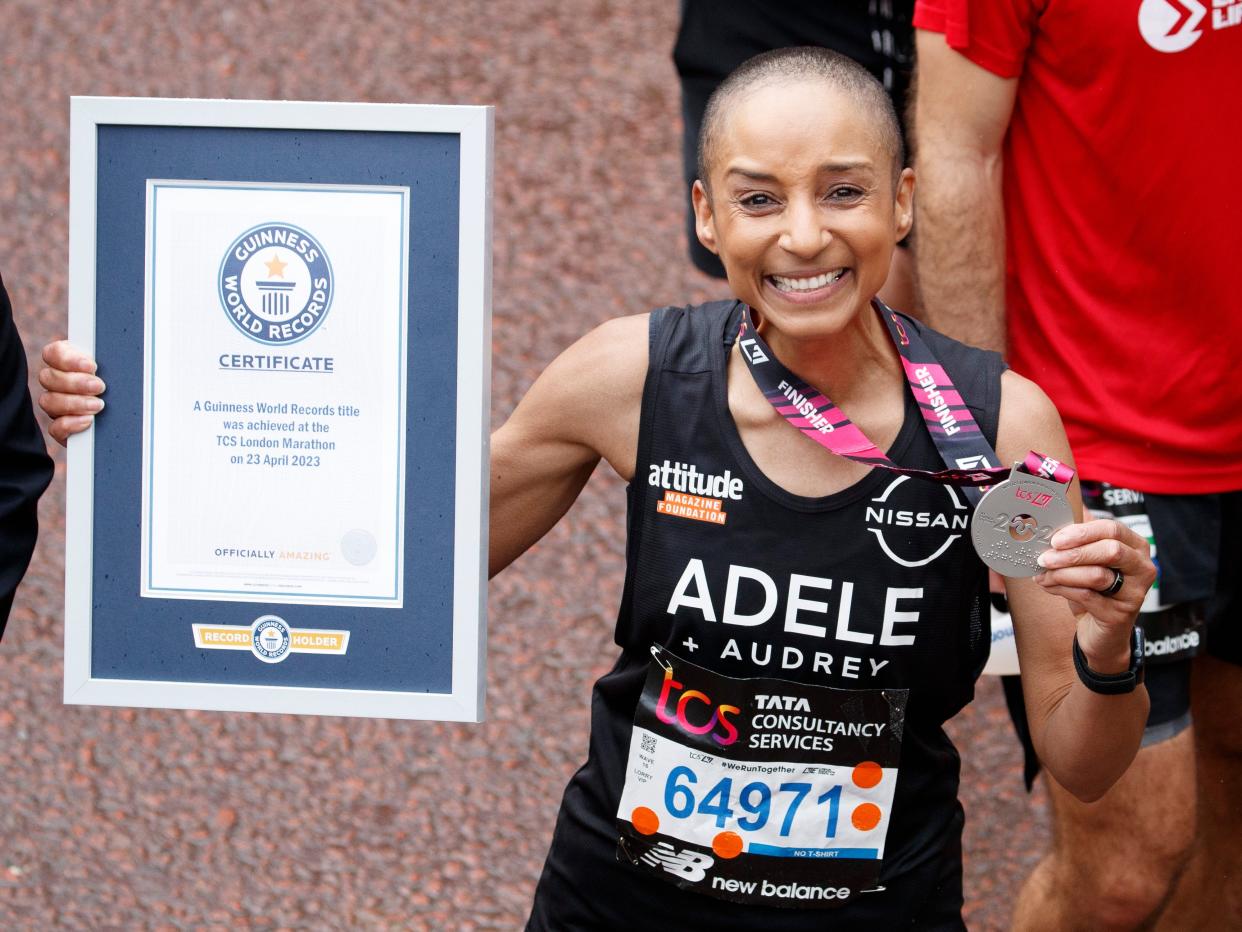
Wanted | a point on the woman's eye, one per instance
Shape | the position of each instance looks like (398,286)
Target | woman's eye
(844,193)
(756,201)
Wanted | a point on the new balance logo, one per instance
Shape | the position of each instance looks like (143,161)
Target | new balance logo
(1171,644)
(687,865)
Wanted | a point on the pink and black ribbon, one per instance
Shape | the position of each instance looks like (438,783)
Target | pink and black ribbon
(953,428)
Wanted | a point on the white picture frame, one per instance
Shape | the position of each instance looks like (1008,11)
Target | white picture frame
(464,700)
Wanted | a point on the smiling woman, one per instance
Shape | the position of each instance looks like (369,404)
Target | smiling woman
(802,195)
(765,572)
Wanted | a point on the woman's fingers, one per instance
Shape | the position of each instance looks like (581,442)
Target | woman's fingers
(1090,578)
(1104,543)
(69,389)
(60,404)
(1097,531)
(63,428)
(68,379)
(1084,562)
(1108,610)
(70,382)
(61,354)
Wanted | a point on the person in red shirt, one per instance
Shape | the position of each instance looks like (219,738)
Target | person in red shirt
(1076,206)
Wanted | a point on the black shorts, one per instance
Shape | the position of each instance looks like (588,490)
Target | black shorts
(1201,559)
(1199,551)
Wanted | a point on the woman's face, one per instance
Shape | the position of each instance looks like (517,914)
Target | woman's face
(803,211)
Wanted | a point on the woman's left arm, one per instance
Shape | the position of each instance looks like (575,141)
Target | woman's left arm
(1086,739)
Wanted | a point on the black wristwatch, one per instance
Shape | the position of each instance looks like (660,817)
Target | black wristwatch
(1113,684)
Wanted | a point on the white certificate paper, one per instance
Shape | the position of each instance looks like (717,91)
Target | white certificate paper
(274,399)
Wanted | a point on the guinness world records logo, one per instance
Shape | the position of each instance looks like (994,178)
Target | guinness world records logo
(276,283)
(270,638)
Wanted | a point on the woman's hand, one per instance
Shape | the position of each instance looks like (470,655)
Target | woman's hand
(1085,739)
(70,389)
(1081,567)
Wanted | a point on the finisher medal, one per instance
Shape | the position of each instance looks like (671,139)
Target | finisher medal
(1014,522)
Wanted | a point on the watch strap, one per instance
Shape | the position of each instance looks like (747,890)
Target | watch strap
(1112,684)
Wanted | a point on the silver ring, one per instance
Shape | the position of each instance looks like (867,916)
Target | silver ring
(1114,587)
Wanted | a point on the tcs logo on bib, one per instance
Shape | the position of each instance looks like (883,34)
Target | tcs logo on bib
(681,715)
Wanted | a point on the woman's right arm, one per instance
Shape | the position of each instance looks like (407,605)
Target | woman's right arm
(584,406)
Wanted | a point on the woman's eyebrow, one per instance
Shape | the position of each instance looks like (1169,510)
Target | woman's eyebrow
(845,166)
(751,175)
(827,168)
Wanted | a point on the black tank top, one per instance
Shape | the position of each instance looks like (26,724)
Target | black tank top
(887,593)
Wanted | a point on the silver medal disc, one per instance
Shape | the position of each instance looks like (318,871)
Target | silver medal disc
(1014,522)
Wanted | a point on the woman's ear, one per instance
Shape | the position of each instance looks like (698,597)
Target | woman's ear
(704,223)
(903,203)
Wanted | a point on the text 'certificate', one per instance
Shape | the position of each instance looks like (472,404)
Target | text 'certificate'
(274,393)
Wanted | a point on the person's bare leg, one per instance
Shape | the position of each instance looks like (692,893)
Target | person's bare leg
(1209,894)
(1114,861)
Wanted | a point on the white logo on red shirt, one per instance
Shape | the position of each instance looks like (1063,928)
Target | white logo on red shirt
(1171,25)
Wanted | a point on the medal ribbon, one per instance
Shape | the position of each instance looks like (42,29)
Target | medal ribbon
(953,429)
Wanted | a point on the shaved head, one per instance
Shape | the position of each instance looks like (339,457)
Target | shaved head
(800,64)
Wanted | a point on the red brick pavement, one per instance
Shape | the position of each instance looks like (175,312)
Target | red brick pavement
(124,819)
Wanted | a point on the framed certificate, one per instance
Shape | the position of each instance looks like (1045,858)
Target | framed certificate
(282,507)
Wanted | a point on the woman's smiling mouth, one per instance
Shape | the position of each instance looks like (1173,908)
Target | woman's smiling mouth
(807,287)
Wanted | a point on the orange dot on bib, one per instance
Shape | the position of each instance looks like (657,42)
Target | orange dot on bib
(727,845)
(866,817)
(646,822)
(868,774)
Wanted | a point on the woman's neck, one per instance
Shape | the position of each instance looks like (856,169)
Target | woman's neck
(849,364)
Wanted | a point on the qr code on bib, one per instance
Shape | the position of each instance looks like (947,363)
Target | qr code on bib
(649,744)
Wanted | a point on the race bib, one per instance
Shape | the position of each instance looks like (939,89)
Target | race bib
(759,790)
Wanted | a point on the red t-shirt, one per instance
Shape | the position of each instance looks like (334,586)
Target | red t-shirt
(1123,216)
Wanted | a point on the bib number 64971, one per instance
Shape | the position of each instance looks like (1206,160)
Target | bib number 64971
(756,801)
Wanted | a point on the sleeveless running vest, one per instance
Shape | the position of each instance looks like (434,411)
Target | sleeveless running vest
(874,588)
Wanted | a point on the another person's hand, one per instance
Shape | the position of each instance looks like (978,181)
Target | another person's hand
(70,387)
(1083,566)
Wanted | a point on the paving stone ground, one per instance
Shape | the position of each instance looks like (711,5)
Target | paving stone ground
(136,819)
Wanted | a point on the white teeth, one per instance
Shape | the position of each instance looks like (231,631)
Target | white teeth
(807,284)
